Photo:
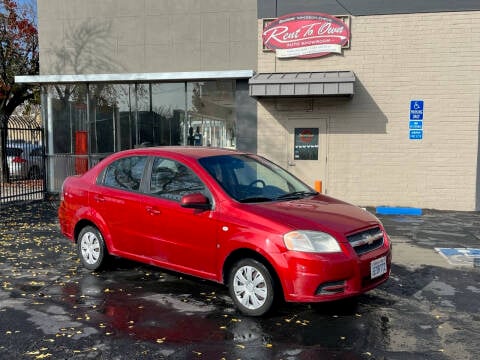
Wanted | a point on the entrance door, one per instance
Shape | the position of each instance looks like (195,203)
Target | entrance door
(307,149)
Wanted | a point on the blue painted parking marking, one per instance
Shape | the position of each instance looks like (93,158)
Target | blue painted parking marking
(390,210)
(461,256)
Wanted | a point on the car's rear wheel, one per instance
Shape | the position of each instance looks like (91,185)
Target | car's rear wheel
(251,287)
(91,248)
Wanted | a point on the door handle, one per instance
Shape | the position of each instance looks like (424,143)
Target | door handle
(152,210)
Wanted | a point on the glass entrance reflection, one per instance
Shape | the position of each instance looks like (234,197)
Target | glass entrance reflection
(211,113)
(160,115)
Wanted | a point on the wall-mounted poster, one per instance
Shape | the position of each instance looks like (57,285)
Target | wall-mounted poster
(306,144)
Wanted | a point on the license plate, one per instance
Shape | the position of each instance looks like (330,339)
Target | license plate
(378,267)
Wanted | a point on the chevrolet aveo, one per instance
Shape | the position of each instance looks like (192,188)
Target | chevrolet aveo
(226,216)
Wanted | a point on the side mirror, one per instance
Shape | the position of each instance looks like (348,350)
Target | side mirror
(195,201)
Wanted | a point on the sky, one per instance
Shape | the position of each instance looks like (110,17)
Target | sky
(27,2)
(30,3)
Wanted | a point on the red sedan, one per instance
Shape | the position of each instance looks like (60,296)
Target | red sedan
(226,216)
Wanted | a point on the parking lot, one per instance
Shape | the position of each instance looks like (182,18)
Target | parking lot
(50,307)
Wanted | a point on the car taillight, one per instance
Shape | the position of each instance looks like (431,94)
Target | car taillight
(18,160)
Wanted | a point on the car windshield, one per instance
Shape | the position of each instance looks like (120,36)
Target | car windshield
(249,178)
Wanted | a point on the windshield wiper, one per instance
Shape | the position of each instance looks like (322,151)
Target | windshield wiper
(296,195)
(253,199)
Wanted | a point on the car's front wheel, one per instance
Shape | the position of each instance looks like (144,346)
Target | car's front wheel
(251,287)
(91,248)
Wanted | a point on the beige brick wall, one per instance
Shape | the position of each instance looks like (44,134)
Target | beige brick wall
(396,59)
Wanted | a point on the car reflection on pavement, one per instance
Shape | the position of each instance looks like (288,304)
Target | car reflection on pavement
(142,315)
(145,304)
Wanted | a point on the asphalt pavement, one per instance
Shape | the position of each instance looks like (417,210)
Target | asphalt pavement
(52,308)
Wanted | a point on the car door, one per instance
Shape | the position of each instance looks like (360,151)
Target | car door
(119,203)
(181,239)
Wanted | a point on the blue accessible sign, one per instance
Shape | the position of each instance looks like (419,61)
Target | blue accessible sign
(416,124)
(416,110)
(416,134)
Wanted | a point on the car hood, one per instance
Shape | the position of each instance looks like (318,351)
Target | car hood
(320,213)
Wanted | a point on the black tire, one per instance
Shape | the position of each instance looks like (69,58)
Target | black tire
(251,287)
(91,248)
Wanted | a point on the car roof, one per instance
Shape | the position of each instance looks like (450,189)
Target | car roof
(192,152)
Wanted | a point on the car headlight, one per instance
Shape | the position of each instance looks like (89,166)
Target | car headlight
(311,241)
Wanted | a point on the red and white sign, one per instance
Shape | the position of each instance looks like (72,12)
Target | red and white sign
(306,35)
(306,136)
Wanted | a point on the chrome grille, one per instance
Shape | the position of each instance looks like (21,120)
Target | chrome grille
(366,241)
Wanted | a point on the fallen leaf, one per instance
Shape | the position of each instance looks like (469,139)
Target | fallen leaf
(43,356)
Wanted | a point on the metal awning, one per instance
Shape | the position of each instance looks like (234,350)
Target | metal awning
(134,77)
(324,83)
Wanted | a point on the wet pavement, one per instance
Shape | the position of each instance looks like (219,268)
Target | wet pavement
(52,308)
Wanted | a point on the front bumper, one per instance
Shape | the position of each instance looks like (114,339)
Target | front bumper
(328,277)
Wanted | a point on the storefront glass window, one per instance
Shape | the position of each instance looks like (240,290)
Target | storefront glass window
(168,103)
(144,117)
(126,117)
(67,113)
(110,118)
(161,114)
(103,106)
(211,115)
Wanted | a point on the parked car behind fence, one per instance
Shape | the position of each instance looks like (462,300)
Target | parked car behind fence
(25,161)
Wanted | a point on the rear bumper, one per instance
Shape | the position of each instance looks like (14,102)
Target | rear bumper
(65,222)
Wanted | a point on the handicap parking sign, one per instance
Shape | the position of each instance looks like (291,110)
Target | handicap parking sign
(416,134)
(416,110)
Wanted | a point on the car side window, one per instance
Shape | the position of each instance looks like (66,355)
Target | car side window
(125,173)
(172,180)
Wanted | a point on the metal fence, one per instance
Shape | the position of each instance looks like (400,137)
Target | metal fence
(25,165)
(60,166)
